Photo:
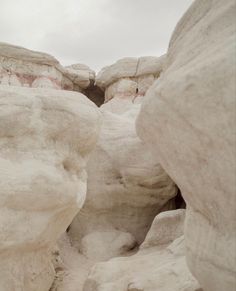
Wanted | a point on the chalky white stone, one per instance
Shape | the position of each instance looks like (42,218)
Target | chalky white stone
(45,138)
(188,117)
(27,68)
(160,265)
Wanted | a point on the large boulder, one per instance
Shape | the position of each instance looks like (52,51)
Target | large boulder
(159,264)
(45,138)
(127,188)
(188,118)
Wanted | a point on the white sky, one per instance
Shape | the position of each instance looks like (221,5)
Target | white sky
(93,32)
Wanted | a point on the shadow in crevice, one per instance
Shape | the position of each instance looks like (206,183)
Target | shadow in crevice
(95,94)
(179,200)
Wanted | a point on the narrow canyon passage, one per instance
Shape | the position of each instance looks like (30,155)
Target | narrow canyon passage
(124,179)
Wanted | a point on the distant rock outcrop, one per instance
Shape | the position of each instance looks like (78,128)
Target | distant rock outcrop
(81,74)
(129,76)
(26,68)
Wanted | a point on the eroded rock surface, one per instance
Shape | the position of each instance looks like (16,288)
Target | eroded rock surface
(188,118)
(27,68)
(160,265)
(81,74)
(126,188)
(129,76)
(45,137)
(187,129)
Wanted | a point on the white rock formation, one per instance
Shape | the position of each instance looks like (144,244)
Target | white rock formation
(72,267)
(45,137)
(188,118)
(166,227)
(160,265)
(126,188)
(82,75)
(187,126)
(23,67)
(129,76)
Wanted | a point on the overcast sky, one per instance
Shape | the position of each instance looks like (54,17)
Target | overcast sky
(93,32)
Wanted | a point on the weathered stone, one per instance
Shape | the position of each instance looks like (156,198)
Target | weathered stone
(126,189)
(188,118)
(27,68)
(45,137)
(158,266)
(129,76)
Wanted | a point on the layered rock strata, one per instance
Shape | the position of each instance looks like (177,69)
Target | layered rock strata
(26,68)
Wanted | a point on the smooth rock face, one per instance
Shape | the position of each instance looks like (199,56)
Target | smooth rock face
(126,189)
(71,266)
(45,137)
(103,245)
(82,75)
(188,118)
(158,266)
(26,68)
(166,227)
(129,67)
(129,76)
